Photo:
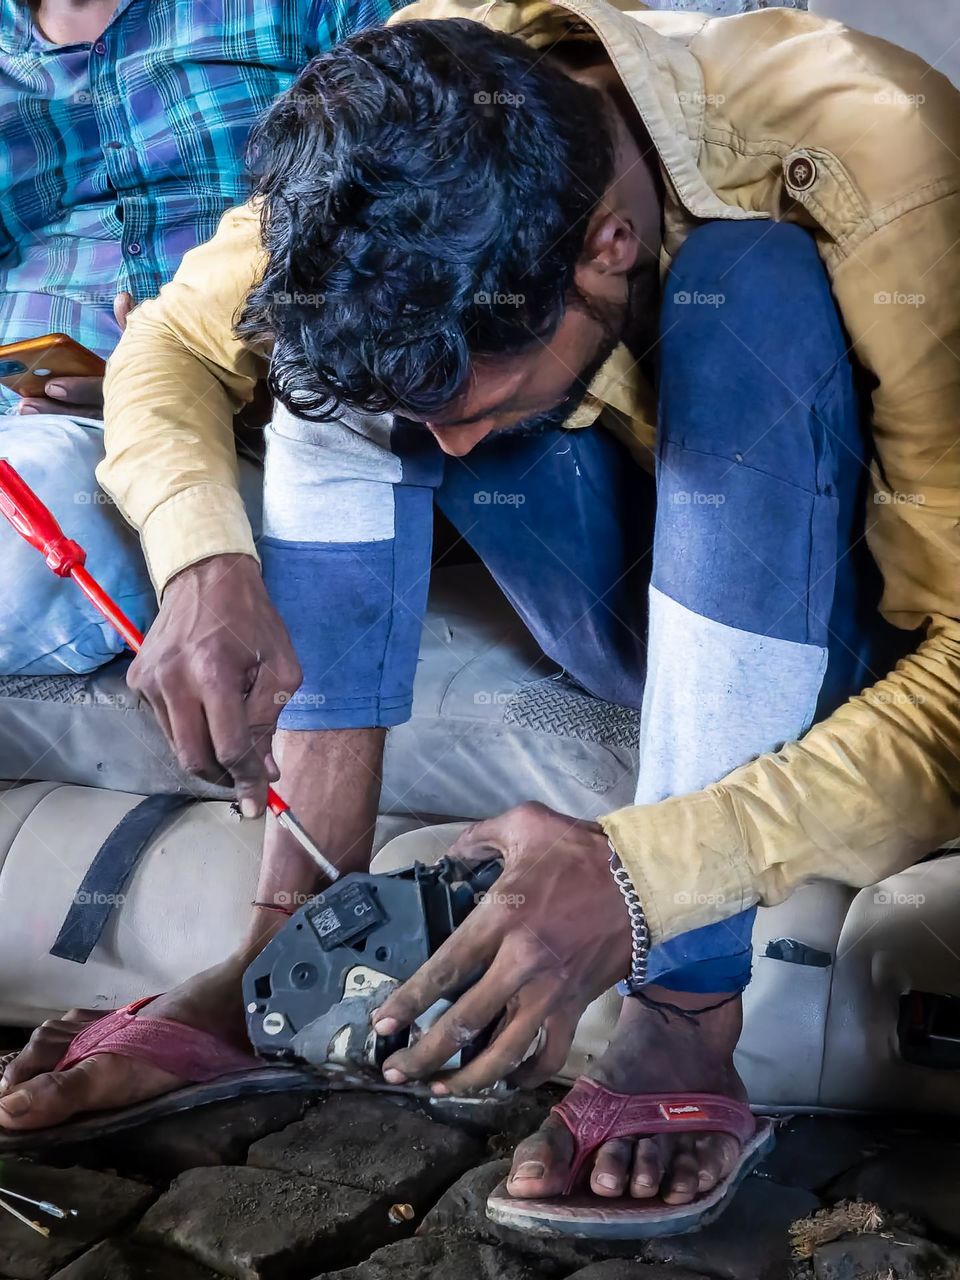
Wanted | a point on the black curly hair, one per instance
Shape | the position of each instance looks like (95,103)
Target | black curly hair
(426,189)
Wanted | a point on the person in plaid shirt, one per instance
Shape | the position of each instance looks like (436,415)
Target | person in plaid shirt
(123,125)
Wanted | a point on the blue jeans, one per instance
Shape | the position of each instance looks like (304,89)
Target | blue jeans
(731,599)
(48,626)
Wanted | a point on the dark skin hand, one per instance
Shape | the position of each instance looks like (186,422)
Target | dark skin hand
(76,397)
(216,668)
(551,935)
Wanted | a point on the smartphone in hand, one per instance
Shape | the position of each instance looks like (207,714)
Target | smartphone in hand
(25,367)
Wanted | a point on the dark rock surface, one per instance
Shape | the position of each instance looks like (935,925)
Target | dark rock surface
(257,1224)
(812,1151)
(373,1144)
(894,1256)
(919,1176)
(126,1260)
(218,1134)
(439,1260)
(104,1204)
(748,1241)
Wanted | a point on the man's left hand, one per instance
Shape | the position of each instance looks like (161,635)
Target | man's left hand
(551,935)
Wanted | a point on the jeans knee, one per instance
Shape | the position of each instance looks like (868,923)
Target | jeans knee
(757,297)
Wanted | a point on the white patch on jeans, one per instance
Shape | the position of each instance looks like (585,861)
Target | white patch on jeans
(329,482)
(717,697)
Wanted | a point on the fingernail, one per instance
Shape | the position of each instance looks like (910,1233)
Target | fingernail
(529,1169)
(29,408)
(439,1090)
(248,808)
(55,389)
(385,1026)
(17,1104)
(393,1076)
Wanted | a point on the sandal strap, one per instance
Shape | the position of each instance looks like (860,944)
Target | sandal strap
(195,1056)
(595,1115)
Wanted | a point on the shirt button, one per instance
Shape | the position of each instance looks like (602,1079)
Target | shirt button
(100,48)
(135,248)
(112,146)
(801,172)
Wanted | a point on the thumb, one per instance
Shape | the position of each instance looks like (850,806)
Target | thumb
(122,306)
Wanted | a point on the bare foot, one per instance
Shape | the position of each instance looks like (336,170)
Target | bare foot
(651,1052)
(33,1095)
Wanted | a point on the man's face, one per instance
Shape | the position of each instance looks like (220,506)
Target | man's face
(532,391)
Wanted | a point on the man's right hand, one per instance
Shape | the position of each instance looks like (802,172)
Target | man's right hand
(216,668)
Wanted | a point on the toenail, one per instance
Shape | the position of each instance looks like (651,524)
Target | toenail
(17,1104)
(608,1180)
(644,1180)
(530,1169)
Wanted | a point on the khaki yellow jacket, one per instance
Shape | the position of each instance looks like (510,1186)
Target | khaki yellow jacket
(773,114)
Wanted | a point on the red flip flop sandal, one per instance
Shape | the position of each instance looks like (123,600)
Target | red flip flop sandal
(594,1115)
(214,1071)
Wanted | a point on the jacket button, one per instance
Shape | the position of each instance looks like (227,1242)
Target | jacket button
(801,172)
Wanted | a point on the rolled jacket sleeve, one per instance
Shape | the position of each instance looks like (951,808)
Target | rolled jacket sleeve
(875,786)
(173,386)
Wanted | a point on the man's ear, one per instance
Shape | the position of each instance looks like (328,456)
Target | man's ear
(610,253)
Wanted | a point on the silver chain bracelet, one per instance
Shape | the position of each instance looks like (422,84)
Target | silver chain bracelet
(639,933)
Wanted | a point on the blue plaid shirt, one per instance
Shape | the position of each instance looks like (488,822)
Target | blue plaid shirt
(118,157)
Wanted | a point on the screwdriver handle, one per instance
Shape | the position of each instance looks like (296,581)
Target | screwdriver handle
(33,521)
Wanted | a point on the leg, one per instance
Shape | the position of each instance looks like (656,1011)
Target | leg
(760,471)
(348,520)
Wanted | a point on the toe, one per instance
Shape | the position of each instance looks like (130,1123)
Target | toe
(717,1155)
(647,1169)
(541,1163)
(682,1181)
(46,1047)
(48,1099)
(611,1168)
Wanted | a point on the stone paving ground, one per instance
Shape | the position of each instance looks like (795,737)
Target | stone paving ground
(350,1186)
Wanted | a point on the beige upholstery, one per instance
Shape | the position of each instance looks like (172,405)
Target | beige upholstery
(903,935)
(184,909)
(815,1035)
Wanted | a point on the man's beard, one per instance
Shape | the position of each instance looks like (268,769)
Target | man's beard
(634,323)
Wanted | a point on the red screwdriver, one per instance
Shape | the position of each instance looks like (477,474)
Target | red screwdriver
(66,558)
